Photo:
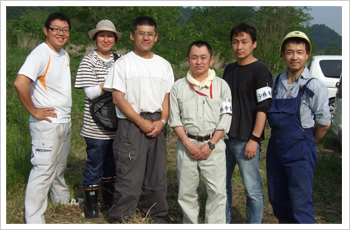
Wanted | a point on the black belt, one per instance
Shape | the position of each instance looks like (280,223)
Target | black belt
(200,138)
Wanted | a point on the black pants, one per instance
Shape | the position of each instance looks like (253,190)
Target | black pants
(140,165)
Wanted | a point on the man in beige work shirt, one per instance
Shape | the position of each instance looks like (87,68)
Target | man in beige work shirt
(200,114)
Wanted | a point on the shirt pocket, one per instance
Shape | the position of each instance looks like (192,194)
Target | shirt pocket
(212,110)
(188,110)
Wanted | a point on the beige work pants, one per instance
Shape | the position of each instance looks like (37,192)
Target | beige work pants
(188,177)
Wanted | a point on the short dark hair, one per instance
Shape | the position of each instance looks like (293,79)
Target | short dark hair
(200,44)
(296,40)
(59,16)
(143,21)
(243,28)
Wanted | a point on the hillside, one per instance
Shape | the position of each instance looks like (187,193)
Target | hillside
(323,36)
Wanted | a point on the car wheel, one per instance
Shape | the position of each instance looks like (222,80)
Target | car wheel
(331,104)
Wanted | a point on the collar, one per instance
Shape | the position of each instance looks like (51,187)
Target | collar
(205,83)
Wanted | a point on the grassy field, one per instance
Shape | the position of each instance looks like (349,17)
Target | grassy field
(327,194)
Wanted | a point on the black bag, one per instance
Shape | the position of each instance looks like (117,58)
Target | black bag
(102,109)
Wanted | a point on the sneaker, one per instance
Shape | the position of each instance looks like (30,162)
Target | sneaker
(76,201)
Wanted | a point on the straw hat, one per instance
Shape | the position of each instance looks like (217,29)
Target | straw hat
(104,25)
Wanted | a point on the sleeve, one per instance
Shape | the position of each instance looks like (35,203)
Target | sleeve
(170,78)
(263,89)
(86,75)
(319,104)
(36,63)
(116,77)
(93,92)
(174,116)
(225,118)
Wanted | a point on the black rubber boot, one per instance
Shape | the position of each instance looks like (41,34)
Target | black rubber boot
(90,204)
(107,192)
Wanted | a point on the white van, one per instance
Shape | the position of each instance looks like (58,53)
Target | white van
(327,68)
(337,112)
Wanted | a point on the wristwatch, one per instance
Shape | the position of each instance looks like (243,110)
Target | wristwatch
(255,138)
(163,121)
(211,145)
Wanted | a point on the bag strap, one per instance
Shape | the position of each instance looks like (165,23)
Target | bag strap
(116,56)
(308,91)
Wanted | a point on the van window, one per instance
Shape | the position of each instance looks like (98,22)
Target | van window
(331,68)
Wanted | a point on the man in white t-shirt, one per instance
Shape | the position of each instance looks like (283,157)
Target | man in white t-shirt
(141,83)
(43,85)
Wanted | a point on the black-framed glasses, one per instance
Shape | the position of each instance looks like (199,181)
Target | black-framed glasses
(143,34)
(57,30)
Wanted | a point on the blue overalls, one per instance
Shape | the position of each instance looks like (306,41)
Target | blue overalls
(290,160)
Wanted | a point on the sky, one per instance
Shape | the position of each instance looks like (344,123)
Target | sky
(331,16)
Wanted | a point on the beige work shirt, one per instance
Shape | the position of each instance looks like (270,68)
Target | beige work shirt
(199,115)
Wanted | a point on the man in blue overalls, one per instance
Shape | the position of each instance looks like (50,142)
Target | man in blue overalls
(299,101)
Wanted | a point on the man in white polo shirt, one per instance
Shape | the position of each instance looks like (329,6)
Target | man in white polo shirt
(43,85)
(140,82)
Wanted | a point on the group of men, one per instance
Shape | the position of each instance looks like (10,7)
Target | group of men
(218,121)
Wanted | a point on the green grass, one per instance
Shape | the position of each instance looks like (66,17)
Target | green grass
(327,194)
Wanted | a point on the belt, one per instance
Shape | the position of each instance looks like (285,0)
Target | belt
(200,138)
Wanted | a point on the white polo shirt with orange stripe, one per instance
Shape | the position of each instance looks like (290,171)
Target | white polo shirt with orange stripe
(51,87)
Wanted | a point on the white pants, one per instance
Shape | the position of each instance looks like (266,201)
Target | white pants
(214,173)
(50,149)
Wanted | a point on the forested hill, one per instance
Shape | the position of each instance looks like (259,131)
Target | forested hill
(324,37)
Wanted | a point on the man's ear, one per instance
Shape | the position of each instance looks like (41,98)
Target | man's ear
(45,31)
(132,36)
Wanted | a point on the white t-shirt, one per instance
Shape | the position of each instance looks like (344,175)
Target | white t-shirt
(51,87)
(144,81)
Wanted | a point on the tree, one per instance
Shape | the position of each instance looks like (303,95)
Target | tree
(334,49)
(214,24)
(272,24)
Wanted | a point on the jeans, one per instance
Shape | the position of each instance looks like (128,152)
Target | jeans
(249,169)
(100,161)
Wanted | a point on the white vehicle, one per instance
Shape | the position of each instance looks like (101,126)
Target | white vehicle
(337,112)
(327,68)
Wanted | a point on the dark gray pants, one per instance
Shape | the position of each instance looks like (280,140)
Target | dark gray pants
(141,164)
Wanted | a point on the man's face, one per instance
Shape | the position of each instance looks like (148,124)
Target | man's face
(295,56)
(144,39)
(243,46)
(57,34)
(199,60)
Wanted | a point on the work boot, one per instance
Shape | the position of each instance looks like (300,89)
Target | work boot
(90,204)
(107,192)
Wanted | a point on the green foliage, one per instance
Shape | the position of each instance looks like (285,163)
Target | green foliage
(31,22)
(272,24)
(213,24)
(17,146)
(180,26)
(333,49)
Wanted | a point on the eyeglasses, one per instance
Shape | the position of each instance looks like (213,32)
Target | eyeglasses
(143,34)
(57,30)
